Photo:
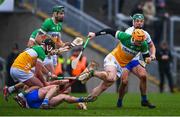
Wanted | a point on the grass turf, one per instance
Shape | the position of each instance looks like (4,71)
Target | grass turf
(167,104)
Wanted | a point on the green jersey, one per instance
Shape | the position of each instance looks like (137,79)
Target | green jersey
(126,50)
(34,33)
(33,36)
(27,59)
(51,28)
(40,52)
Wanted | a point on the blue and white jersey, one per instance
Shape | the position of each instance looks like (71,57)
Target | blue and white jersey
(148,38)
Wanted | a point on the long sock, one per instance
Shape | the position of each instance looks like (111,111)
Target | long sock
(119,103)
(11,89)
(22,95)
(46,100)
(80,99)
(143,98)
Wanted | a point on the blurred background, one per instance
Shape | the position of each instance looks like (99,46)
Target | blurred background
(19,18)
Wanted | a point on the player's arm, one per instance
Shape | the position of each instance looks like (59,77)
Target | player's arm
(31,42)
(34,39)
(145,53)
(59,82)
(102,32)
(106,31)
(151,45)
(117,34)
(41,68)
(152,49)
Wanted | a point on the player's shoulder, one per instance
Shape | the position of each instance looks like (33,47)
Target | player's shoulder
(48,20)
(145,32)
(129,30)
(144,44)
(37,47)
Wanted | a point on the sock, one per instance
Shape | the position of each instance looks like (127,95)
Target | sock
(11,89)
(119,103)
(46,100)
(91,73)
(21,95)
(81,99)
(143,98)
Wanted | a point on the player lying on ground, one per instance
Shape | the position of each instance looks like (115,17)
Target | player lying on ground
(48,97)
(128,47)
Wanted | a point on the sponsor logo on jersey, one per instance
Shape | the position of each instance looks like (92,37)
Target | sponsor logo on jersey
(129,51)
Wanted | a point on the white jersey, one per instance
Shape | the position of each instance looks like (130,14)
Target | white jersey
(148,38)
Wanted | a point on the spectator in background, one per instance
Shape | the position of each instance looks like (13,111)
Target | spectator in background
(59,68)
(121,4)
(164,59)
(138,8)
(149,11)
(10,59)
(2,75)
(162,16)
(81,66)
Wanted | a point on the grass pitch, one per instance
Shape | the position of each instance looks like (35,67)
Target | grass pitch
(167,104)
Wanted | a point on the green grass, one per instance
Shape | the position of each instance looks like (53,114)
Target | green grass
(167,104)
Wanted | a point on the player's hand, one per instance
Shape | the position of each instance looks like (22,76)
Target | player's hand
(53,76)
(47,84)
(91,35)
(148,60)
(153,57)
(54,51)
(63,49)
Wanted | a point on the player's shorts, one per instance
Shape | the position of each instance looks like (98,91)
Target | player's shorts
(33,99)
(132,64)
(20,75)
(111,60)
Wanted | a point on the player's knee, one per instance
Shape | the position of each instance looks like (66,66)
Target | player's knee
(67,91)
(111,77)
(143,76)
(57,87)
(124,82)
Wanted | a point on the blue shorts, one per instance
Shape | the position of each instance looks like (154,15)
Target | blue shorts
(132,64)
(33,99)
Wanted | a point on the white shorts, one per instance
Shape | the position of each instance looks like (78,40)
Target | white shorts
(20,75)
(111,60)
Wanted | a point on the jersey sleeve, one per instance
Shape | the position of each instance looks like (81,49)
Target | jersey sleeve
(122,36)
(129,30)
(148,37)
(34,34)
(40,52)
(45,25)
(145,49)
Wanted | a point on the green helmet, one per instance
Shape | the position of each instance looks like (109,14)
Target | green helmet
(58,9)
(138,16)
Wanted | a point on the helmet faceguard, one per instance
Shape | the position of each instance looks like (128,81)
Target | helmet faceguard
(49,45)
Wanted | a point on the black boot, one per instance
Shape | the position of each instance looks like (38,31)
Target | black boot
(148,104)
